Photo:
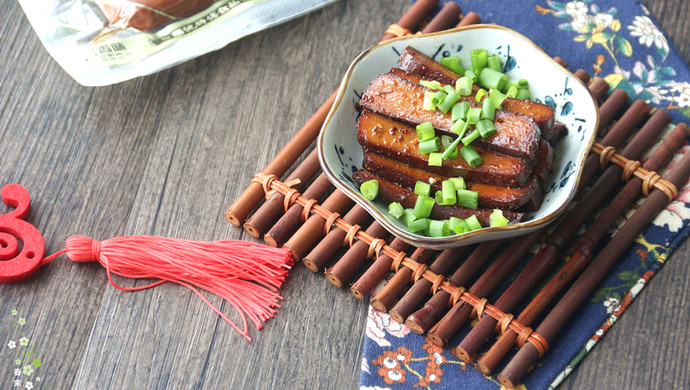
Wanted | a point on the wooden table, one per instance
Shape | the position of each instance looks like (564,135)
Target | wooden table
(165,155)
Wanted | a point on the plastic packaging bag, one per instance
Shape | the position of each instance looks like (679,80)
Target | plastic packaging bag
(101,42)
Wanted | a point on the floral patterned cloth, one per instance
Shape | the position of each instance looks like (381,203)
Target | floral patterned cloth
(613,39)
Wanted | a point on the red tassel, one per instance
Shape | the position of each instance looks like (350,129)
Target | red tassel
(245,274)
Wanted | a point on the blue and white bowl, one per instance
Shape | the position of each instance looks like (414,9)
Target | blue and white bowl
(340,154)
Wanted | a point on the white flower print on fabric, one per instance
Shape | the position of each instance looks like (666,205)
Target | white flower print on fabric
(24,341)
(576,8)
(381,323)
(28,385)
(12,344)
(644,29)
(611,305)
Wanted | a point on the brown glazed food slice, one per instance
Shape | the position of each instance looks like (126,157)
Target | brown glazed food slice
(145,15)
(391,192)
(399,141)
(490,196)
(392,96)
(414,61)
(543,169)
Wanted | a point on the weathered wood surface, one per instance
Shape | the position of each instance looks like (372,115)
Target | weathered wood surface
(165,155)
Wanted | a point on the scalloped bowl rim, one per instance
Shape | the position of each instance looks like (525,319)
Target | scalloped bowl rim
(484,234)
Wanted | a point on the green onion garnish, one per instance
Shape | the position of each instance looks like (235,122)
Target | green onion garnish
(430,145)
(422,207)
(458,225)
(419,225)
(480,95)
(497,219)
(523,94)
(467,198)
(438,228)
(494,63)
(512,92)
(472,75)
(490,78)
(451,149)
(370,189)
(459,111)
(431,84)
(488,109)
(408,216)
(449,101)
(428,104)
(435,159)
(446,141)
(474,115)
(448,88)
(438,98)
(438,197)
(396,209)
(473,223)
(422,188)
(478,58)
(458,182)
(425,131)
(497,97)
(449,192)
(466,140)
(471,156)
(464,85)
(486,127)
(453,63)
(459,127)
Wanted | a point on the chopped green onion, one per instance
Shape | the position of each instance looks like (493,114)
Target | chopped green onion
(478,58)
(486,128)
(471,156)
(449,192)
(422,188)
(467,198)
(453,63)
(497,219)
(494,63)
(450,149)
(438,228)
(523,83)
(512,83)
(490,78)
(474,115)
(448,88)
(430,145)
(458,127)
(463,85)
(419,225)
(438,98)
(431,84)
(438,197)
(523,94)
(458,182)
(480,95)
(466,140)
(425,131)
(428,104)
(449,101)
(422,207)
(408,216)
(370,189)
(458,225)
(512,92)
(473,223)
(488,109)
(497,97)
(472,75)
(395,209)
(435,159)
(446,141)
(459,111)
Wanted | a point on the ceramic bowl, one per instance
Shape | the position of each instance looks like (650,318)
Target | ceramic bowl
(340,154)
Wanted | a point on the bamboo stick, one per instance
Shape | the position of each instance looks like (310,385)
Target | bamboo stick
(343,269)
(583,247)
(376,272)
(560,238)
(592,276)
(390,292)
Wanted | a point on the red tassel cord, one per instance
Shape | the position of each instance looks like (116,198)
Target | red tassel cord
(246,274)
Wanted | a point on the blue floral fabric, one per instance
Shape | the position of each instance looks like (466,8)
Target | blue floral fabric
(618,41)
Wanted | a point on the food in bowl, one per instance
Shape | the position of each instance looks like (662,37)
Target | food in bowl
(412,144)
